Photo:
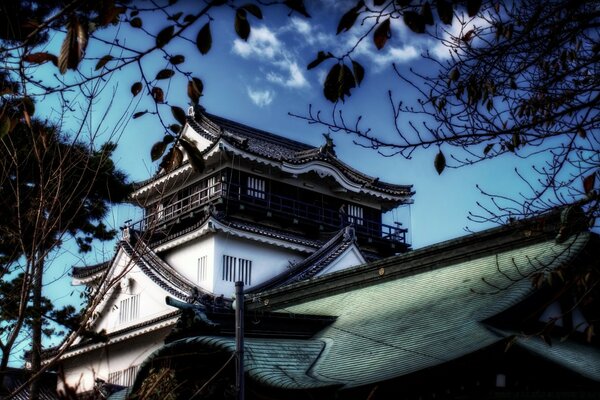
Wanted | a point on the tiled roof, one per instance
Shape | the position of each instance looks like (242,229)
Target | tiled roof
(314,263)
(415,316)
(87,271)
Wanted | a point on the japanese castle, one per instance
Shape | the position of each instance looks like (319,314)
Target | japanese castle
(265,210)
(337,304)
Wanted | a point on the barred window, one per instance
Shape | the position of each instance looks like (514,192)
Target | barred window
(355,214)
(237,269)
(124,377)
(256,187)
(202,269)
(129,309)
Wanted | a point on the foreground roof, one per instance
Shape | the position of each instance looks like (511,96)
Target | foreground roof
(410,312)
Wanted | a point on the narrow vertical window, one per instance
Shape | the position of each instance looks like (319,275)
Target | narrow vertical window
(129,309)
(245,271)
(202,269)
(256,187)
(355,214)
(229,264)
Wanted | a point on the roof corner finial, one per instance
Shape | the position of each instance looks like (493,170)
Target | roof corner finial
(329,145)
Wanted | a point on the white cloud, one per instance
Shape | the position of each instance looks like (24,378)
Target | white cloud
(261,98)
(395,55)
(264,46)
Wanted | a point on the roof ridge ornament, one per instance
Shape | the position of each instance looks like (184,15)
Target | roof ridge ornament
(329,146)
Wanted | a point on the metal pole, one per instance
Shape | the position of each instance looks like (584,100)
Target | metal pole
(239,338)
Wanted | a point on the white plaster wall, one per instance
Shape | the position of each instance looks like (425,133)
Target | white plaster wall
(82,370)
(151,300)
(184,259)
(350,258)
(267,260)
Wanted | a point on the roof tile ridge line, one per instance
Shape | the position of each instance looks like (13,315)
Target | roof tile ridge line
(258,133)
(322,262)
(165,267)
(180,233)
(370,179)
(205,128)
(153,275)
(89,269)
(412,257)
(297,268)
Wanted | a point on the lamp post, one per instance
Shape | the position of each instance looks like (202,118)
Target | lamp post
(239,339)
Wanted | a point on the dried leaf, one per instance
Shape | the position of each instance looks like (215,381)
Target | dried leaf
(193,155)
(136,22)
(439,162)
(427,14)
(382,34)
(204,39)
(102,62)
(473,7)
(165,36)
(253,9)
(194,90)
(330,86)
(157,150)
(516,140)
(359,72)
(445,11)
(414,21)
(136,88)
(588,183)
(175,128)
(168,138)
(321,56)
(73,46)
(468,36)
(454,74)
(241,25)
(165,74)
(349,18)
(488,148)
(4,126)
(40,58)
(581,133)
(158,94)
(139,114)
(177,59)
(178,114)
(298,6)
(346,81)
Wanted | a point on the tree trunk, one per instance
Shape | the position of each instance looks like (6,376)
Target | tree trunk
(36,326)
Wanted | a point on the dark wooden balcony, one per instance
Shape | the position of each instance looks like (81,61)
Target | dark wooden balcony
(273,208)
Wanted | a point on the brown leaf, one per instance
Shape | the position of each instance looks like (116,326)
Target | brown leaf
(178,114)
(298,6)
(157,150)
(331,85)
(439,162)
(242,27)
(445,11)
(165,74)
(102,62)
(177,59)
(589,182)
(468,36)
(253,9)
(136,22)
(414,21)
(321,56)
(382,34)
(158,94)
(73,46)
(136,88)
(349,18)
(40,58)
(427,14)
(139,114)
(194,90)
(175,128)
(204,39)
(346,81)
(473,7)
(359,72)
(165,36)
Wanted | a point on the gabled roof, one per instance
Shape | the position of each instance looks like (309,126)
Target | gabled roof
(313,264)
(289,155)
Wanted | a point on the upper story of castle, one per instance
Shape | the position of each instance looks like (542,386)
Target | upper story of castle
(273,183)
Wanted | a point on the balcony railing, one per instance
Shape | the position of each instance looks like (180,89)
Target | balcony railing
(272,203)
